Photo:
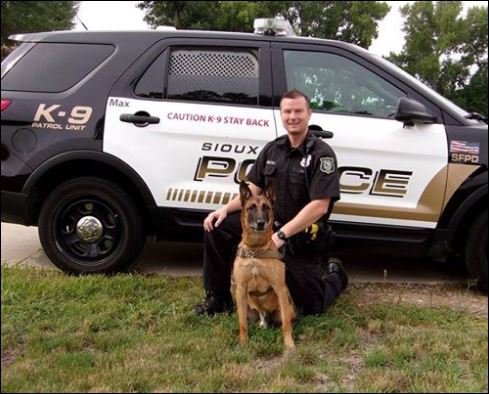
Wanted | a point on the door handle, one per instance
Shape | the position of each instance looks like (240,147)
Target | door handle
(139,119)
(319,132)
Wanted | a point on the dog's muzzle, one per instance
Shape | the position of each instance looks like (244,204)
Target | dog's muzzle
(258,226)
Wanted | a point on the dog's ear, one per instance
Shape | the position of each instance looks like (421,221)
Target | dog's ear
(270,191)
(244,192)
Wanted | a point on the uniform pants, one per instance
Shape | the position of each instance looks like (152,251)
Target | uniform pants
(311,289)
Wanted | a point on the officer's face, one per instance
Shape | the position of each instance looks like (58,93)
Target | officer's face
(295,115)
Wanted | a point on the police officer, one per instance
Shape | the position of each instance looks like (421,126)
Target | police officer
(304,170)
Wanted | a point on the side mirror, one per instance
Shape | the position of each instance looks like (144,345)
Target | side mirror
(411,111)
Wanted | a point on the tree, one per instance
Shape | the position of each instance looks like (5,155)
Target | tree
(355,22)
(473,97)
(442,48)
(35,16)
(351,21)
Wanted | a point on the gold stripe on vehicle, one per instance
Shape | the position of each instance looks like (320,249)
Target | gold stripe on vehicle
(457,174)
(431,203)
(226,197)
(217,197)
(209,197)
(428,209)
(199,196)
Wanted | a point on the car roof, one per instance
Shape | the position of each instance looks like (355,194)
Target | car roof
(118,37)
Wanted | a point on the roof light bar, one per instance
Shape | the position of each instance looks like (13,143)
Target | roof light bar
(273,27)
(166,28)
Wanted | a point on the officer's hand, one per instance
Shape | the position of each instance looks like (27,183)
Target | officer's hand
(218,216)
(277,241)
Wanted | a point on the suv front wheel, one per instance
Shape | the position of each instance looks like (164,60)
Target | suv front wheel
(90,225)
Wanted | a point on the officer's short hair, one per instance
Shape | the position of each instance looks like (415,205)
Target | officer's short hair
(293,94)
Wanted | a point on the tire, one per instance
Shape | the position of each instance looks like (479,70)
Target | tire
(476,250)
(90,225)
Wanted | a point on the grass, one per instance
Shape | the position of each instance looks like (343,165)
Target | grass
(130,333)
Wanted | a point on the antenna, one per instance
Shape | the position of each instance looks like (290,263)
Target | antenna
(79,20)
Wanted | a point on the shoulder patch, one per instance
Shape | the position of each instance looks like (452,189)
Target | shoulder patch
(327,165)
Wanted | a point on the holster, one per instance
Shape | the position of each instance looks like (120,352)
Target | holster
(314,240)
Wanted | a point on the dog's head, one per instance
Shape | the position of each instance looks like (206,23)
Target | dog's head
(257,211)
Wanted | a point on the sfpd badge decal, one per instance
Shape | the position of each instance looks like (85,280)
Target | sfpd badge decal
(327,165)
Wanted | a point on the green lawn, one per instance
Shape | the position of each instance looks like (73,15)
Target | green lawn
(130,333)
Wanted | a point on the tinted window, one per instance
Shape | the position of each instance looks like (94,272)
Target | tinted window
(151,83)
(213,75)
(15,56)
(54,67)
(337,84)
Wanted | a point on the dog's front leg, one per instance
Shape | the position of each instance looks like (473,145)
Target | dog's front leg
(242,306)
(286,313)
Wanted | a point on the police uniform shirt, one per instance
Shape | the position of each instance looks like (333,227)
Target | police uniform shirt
(308,172)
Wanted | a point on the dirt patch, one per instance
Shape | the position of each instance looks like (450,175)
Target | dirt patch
(270,364)
(453,296)
(9,356)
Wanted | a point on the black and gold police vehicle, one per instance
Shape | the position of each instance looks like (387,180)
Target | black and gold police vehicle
(107,137)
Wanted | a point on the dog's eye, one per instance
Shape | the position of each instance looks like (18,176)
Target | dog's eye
(266,208)
(251,207)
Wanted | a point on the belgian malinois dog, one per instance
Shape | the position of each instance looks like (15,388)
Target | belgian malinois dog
(258,274)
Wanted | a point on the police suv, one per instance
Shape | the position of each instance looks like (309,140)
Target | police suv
(107,137)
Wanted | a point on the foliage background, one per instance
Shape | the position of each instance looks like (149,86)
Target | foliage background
(443,48)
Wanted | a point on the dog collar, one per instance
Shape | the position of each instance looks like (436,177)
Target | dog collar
(258,254)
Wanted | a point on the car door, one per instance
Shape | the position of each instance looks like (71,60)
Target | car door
(391,173)
(195,120)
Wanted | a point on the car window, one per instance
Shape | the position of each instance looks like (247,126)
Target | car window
(15,56)
(420,85)
(53,67)
(213,75)
(151,84)
(337,84)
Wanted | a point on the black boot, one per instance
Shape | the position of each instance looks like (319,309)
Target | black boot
(336,266)
(213,304)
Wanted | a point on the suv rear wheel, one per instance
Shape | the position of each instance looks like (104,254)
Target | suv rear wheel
(90,225)
(476,250)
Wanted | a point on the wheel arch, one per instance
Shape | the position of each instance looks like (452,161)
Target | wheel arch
(66,166)
(462,219)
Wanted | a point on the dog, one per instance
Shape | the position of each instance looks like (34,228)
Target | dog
(258,273)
